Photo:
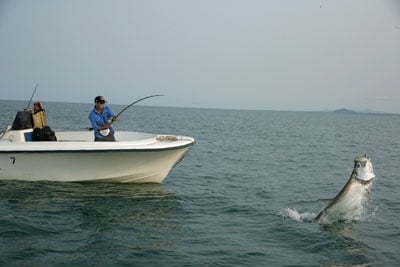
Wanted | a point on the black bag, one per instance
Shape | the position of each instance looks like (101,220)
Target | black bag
(23,120)
(43,134)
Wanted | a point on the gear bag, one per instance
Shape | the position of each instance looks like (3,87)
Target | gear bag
(43,134)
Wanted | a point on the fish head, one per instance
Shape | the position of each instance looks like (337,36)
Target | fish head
(363,169)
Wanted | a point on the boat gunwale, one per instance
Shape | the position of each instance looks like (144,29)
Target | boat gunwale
(96,150)
(76,145)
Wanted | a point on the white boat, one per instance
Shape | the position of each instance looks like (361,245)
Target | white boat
(134,158)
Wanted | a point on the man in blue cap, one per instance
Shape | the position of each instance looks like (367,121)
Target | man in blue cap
(101,118)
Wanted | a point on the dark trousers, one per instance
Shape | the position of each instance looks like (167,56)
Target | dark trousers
(108,138)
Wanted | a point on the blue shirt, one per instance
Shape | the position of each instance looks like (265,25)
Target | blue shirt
(99,119)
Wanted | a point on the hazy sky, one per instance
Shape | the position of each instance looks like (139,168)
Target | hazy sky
(274,55)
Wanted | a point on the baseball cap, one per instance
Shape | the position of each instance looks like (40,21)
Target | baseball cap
(100,99)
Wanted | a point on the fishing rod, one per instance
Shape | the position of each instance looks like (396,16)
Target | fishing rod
(30,100)
(133,103)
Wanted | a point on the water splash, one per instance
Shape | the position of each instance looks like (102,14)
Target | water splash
(364,213)
(297,216)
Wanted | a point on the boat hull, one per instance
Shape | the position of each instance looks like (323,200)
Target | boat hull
(90,166)
(140,161)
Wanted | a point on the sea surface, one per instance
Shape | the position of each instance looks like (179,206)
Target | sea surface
(237,199)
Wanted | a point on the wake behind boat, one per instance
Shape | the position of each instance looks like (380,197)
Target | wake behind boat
(73,156)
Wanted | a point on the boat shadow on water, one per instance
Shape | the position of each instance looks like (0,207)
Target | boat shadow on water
(82,189)
(104,217)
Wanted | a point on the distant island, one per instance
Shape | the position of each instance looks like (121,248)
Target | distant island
(371,112)
(345,111)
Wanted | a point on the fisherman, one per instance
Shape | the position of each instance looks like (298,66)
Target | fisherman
(101,118)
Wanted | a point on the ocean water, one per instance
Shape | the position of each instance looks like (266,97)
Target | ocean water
(238,199)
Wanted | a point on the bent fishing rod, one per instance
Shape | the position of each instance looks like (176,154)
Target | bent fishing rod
(133,103)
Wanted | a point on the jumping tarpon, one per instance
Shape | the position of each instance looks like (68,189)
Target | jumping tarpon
(351,199)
